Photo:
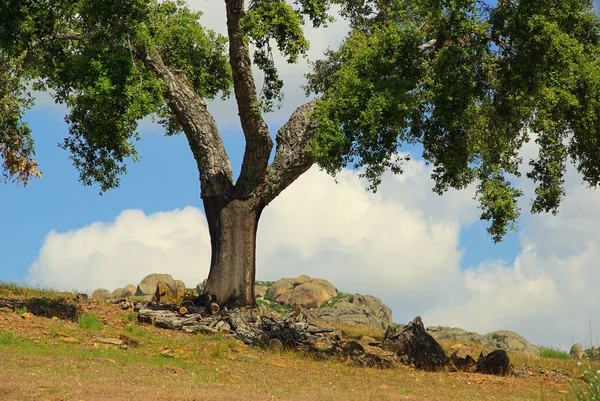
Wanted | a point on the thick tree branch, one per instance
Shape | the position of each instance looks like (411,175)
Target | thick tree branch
(256,132)
(292,158)
(199,126)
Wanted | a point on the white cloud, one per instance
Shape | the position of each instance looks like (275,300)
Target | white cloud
(401,244)
(112,255)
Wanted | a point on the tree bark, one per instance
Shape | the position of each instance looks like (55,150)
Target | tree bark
(232,225)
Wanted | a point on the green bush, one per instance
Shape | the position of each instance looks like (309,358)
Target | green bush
(554,353)
(7,338)
(89,321)
(21,310)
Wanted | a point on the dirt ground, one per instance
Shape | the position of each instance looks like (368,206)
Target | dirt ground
(49,358)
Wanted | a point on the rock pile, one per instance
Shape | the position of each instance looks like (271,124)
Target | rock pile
(357,310)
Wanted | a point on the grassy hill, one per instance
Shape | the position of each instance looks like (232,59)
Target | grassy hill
(56,347)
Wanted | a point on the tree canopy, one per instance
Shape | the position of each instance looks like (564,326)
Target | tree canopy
(471,82)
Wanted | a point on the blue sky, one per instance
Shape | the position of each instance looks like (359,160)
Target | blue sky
(165,179)
(420,253)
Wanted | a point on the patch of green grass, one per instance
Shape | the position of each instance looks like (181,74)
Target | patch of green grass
(12,289)
(590,390)
(135,330)
(132,316)
(20,310)
(335,299)
(554,353)
(274,306)
(89,321)
(7,338)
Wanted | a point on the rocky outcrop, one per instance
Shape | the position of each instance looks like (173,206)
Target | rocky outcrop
(148,284)
(101,293)
(494,363)
(357,310)
(415,346)
(577,351)
(506,340)
(303,291)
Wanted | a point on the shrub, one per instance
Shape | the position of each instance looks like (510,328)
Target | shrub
(7,338)
(89,321)
(21,310)
(554,353)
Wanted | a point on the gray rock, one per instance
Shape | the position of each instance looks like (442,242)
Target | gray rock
(200,287)
(494,363)
(415,346)
(129,291)
(357,310)
(101,293)
(260,290)
(506,340)
(576,351)
(148,285)
(303,291)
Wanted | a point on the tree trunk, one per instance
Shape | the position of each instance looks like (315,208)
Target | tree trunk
(232,225)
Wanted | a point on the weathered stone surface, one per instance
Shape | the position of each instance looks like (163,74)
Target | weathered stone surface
(148,284)
(163,293)
(303,291)
(577,351)
(358,310)
(415,346)
(506,340)
(464,364)
(101,293)
(179,290)
(128,291)
(117,293)
(260,290)
(494,363)
(511,342)
(594,353)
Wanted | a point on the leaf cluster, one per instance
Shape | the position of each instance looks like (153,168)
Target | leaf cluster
(87,52)
(470,83)
(276,20)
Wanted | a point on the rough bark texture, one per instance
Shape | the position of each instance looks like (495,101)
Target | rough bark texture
(256,132)
(292,158)
(216,178)
(232,225)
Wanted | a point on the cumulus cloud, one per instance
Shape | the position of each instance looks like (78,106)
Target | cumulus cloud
(114,254)
(401,244)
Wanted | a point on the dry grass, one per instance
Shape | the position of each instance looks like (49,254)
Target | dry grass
(44,358)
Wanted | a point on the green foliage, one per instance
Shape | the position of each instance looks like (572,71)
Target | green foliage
(554,353)
(138,331)
(89,321)
(471,83)
(21,310)
(335,299)
(277,20)
(88,53)
(268,303)
(7,338)
(132,316)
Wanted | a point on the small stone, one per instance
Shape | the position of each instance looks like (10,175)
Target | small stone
(576,351)
(27,316)
(276,345)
